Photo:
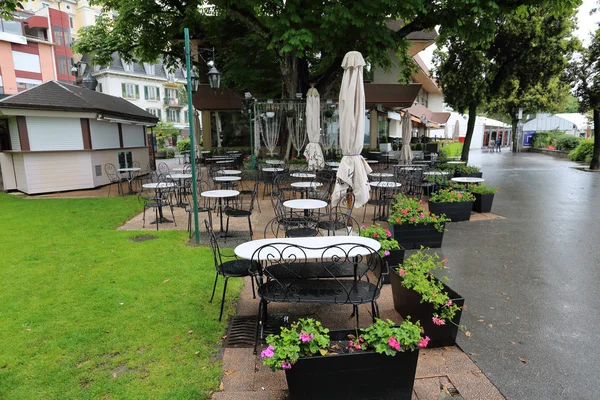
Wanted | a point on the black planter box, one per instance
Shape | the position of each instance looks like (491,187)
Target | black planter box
(483,203)
(459,211)
(473,175)
(408,302)
(360,375)
(395,258)
(414,236)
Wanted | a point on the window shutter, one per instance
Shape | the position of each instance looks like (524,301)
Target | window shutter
(137,91)
(157,93)
(146,92)
(159,114)
(123,90)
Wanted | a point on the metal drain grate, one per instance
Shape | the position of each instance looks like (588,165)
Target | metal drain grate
(242,329)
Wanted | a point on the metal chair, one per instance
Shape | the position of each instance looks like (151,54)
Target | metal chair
(163,168)
(113,176)
(163,198)
(241,212)
(229,269)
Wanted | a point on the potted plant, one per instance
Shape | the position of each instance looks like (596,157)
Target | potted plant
(484,197)
(467,171)
(377,362)
(412,226)
(456,205)
(391,253)
(384,144)
(428,300)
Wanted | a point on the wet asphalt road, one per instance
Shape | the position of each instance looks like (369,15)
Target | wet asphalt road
(531,281)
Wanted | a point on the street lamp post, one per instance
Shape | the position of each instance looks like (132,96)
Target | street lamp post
(249,101)
(214,80)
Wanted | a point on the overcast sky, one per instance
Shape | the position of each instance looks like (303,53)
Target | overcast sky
(587,24)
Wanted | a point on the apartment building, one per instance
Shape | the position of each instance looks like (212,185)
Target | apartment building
(35,47)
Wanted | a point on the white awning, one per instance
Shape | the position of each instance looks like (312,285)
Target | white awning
(393,115)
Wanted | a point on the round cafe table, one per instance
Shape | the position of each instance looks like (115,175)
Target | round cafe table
(220,194)
(435,173)
(130,177)
(332,164)
(467,179)
(229,172)
(275,162)
(272,169)
(381,175)
(383,200)
(303,175)
(181,187)
(456,162)
(304,186)
(158,187)
(305,204)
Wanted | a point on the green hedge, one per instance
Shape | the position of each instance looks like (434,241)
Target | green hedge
(555,138)
(583,152)
(183,145)
(452,149)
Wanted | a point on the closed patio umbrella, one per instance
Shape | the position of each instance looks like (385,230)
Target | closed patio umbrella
(446,132)
(313,152)
(353,170)
(456,133)
(406,155)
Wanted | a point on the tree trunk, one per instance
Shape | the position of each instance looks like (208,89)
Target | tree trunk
(595,164)
(515,136)
(470,128)
(290,68)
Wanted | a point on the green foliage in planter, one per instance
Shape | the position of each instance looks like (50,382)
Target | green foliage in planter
(583,152)
(183,145)
(383,236)
(383,139)
(307,337)
(451,150)
(408,210)
(168,152)
(467,169)
(396,146)
(297,161)
(418,146)
(482,188)
(450,196)
(416,273)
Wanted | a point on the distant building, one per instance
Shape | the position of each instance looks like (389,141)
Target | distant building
(35,48)
(572,123)
(485,132)
(57,137)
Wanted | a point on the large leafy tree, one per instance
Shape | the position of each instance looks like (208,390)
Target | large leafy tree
(7,7)
(274,44)
(519,67)
(584,74)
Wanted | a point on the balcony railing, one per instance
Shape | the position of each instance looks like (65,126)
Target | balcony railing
(173,102)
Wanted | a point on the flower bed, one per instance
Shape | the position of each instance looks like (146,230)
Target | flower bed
(454,204)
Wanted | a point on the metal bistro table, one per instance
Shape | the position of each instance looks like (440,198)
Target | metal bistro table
(303,175)
(456,162)
(130,177)
(227,180)
(382,186)
(158,187)
(229,172)
(181,187)
(467,179)
(381,175)
(304,186)
(275,162)
(305,204)
(220,194)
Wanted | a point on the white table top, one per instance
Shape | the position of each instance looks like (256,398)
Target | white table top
(372,161)
(305,204)
(226,178)
(272,169)
(128,169)
(303,175)
(408,168)
(220,193)
(334,168)
(435,173)
(467,179)
(233,152)
(206,151)
(385,184)
(309,244)
(275,162)
(224,162)
(332,163)
(381,174)
(181,176)
(306,184)
(178,169)
(229,172)
(160,185)
(456,162)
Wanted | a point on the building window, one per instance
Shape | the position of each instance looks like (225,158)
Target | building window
(44,4)
(67,36)
(186,116)
(127,66)
(171,93)
(13,27)
(26,62)
(99,88)
(130,91)
(24,83)
(57,33)
(1,86)
(149,68)
(151,93)
(71,23)
(172,115)
(63,67)
(155,111)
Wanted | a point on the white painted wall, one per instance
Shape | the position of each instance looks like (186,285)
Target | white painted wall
(20,172)
(110,156)
(8,171)
(547,122)
(133,135)
(105,135)
(14,134)
(54,133)
(435,102)
(53,172)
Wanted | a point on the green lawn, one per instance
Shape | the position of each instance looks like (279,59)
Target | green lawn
(87,313)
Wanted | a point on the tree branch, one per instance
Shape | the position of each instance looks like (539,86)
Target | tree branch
(251,21)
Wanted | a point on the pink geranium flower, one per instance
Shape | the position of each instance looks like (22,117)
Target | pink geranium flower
(448,303)
(424,342)
(305,337)
(386,253)
(267,353)
(405,212)
(393,343)
(285,365)
(422,215)
(438,321)
(388,233)
(402,272)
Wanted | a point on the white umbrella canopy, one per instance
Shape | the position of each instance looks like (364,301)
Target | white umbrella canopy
(354,170)
(446,131)
(406,154)
(456,133)
(313,152)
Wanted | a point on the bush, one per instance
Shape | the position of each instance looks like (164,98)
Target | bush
(583,151)
(419,146)
(452,149)
(555,139)
(170,152)
(183,145)
(567,142)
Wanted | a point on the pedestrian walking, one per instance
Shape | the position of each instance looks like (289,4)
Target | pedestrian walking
(498,143)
